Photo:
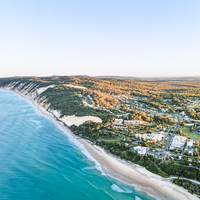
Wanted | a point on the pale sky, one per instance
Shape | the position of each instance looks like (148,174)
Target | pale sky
(107,37)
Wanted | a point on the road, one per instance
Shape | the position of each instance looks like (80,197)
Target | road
(168,143)
(167,134)
(195,130)
(152,89)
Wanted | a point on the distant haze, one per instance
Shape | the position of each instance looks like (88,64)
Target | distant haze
(98,38)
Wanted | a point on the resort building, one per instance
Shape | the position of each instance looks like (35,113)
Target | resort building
(141,150)
(155,137)
(150,136)
(120,127)
(118,121)
(178,143)
(133,122)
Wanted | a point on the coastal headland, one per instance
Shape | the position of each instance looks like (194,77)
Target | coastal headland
(112,165)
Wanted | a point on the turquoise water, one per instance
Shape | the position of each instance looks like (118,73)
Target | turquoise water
(39,160)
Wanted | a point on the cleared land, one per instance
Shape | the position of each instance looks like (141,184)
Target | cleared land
(190,134)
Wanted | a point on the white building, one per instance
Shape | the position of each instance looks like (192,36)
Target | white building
(120,127)
(183,113)
(150,136)
(178,142)
(186,118)
(118,121)
(191,151)
(189,124)
(133,122)
(164,110)
(164,128)
(155,137)
(190,143)
(89,97)
(141,150)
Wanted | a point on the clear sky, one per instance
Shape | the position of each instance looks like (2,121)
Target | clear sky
(106,37)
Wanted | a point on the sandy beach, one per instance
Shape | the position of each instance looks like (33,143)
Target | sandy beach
(131,174)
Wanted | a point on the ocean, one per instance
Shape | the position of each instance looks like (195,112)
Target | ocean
(40,160)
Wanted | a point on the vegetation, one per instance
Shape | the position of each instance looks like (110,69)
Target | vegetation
(188,185)
(180,170)
(65,100)
(152,102)
(164,119)
(191,134)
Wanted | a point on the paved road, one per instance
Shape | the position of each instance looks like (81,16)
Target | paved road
(152,89)
(195,130)
(168,143)
(167,134)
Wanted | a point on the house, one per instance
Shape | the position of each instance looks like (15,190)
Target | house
(191,151)
(164,128)
(126,144)
(170,100)
(190,143)
(126,114)
(186,118)
(183,113)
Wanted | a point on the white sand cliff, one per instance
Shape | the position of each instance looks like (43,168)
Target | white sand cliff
(42,89)
(70,120)
(75,120)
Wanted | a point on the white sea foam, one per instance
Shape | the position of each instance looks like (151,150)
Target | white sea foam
(34,121)
(40,126)
(86,153)
(89,168)
(97,165)
(80,146)
(137,198)
(135,186)
(117,188)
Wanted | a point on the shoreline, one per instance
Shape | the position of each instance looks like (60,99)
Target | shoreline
(133,174)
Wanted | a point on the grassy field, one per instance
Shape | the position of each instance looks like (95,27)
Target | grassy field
(111,140)
(172,116)
(190,134)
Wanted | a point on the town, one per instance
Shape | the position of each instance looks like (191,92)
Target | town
(176,140)
(138,122)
